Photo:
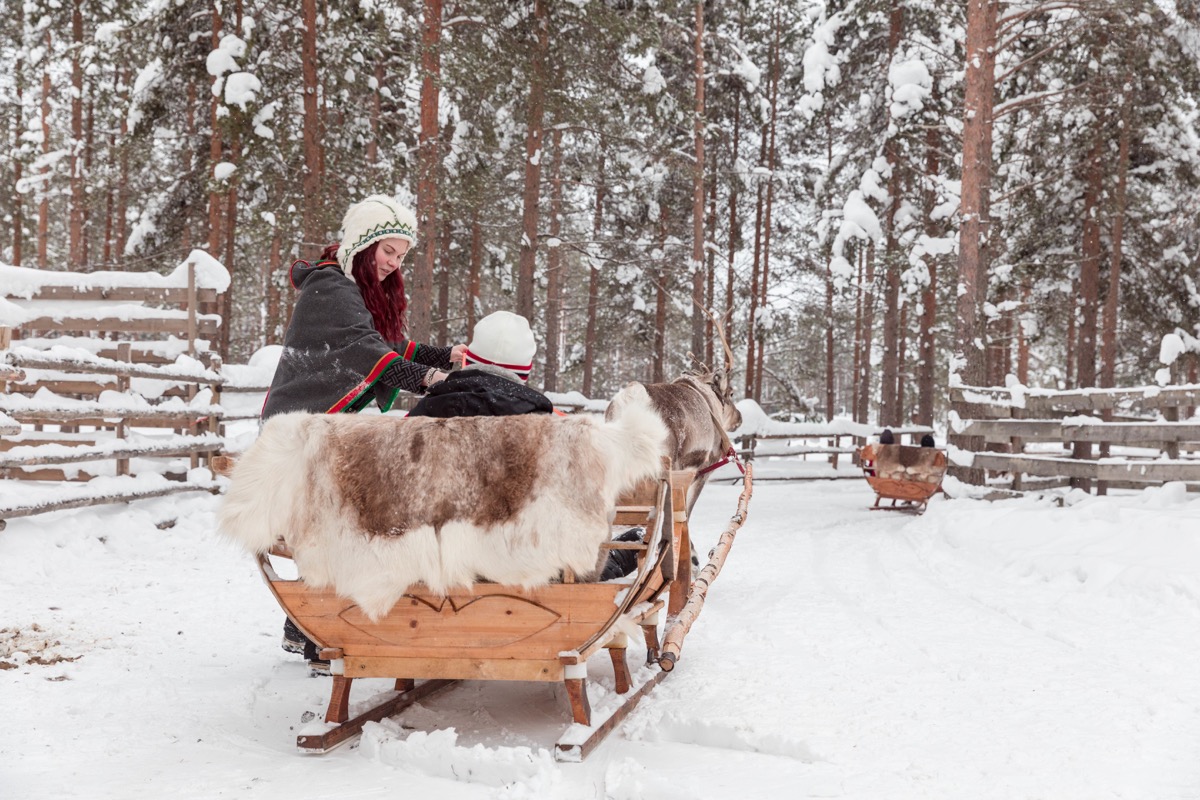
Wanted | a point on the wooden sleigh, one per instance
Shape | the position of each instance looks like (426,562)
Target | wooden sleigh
(903,474)
(496,632)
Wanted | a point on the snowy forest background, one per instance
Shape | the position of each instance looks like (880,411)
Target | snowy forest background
(602,166)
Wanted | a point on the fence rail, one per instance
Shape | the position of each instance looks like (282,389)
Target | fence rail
(1141,442)
(94,383)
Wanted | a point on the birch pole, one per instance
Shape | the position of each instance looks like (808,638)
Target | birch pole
(677,630)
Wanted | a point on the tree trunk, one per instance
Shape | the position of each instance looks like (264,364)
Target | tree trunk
(926,340)
(751,322)
(1089,265)
(1089,281)
(889,401)
(1022,340)
(830,378)
(976,189)
(441,325)
(979,99)
(476,266)
(376,115)
(75,257)
(214,150)
(554,269)
(89,150)
(698,306)
(44,186)
(868,331)
(734,233)
(829,372)
(889,379)
(533,160)
(658,372)
(589,341)
(419,321)
(18,229)
(902,373)
(312,221)
(274,321)
(226,305)
(857,406)
(189,154)
(765,280)
(1109,349)
(1072,375)
(110,212)
(122,191)
(710,269)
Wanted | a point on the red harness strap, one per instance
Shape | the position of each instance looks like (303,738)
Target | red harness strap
(730,455)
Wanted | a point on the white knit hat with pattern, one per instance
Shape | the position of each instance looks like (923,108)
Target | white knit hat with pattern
(378,217)
(503,339)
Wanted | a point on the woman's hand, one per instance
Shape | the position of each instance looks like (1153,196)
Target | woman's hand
(458,354)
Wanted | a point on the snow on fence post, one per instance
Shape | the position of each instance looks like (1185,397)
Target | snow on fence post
(191,307)
(124,353)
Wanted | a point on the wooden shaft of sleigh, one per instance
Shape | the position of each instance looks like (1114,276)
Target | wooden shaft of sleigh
(673,640)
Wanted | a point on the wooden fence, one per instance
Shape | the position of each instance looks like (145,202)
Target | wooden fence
(829,441)
(1089,438)
(108,382)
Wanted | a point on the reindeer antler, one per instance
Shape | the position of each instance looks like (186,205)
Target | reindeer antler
(724,341)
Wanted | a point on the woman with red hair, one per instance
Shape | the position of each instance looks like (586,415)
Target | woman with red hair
(345,345)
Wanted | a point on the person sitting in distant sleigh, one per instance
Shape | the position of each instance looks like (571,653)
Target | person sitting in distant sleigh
(868,465)
(927,441)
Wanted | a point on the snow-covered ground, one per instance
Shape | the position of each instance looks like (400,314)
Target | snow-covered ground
(1013,650)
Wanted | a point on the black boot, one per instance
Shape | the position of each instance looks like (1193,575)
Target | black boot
(622,562)
(293,639)
(317,666)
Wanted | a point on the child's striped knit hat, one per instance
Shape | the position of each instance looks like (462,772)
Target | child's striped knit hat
(503,339)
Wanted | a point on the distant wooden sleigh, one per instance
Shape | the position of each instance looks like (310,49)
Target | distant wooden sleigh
(904,474)
(496,632)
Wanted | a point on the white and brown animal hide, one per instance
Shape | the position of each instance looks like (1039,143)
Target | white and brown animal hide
(697,410)
(371,505)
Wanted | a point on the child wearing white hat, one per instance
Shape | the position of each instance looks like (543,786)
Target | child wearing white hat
(503,339)
(496,367)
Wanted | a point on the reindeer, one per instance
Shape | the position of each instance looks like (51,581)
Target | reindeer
(697,409)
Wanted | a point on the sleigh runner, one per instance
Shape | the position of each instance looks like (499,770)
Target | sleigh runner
(497,632)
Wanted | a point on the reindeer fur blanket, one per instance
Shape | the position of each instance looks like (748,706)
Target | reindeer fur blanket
(370,505)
